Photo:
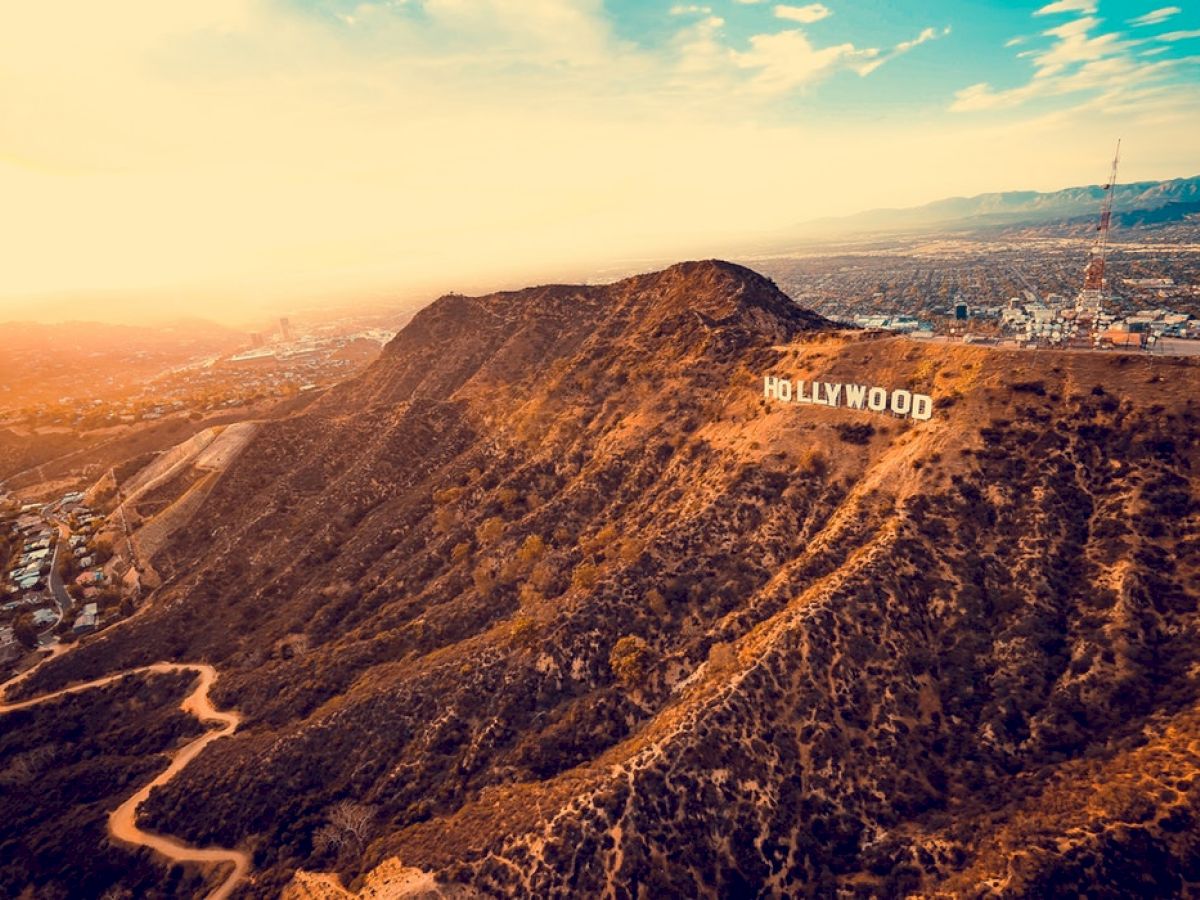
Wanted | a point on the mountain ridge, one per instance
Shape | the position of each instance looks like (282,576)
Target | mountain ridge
(1175,199)
(574,609)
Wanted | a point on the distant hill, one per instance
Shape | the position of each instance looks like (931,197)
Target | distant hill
(1139,204)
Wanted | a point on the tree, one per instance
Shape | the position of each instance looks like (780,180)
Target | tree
(813,463)
(524,629)
(349,824)
(542,576)
(586,575)
(529,596)
(601,541)
(444,519)
(631,549)
(25,632)
(631,660)
(484,578)
(656,602)
(448,495)
(356,820)
(490,530)
(531,551)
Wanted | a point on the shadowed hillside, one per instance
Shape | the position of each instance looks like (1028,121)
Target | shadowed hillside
(557,595)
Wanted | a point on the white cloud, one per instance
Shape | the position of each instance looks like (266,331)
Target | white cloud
(1178,35)
(700,55)
(690,9)
(1076,44)
(813,12)
(928,34)
(1081,58)
(1014,42)
(1155,16)
(787,60)
(1066,6)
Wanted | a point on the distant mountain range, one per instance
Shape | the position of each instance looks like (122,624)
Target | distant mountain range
(1139,204)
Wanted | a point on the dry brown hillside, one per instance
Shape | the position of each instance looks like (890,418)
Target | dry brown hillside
(574,611)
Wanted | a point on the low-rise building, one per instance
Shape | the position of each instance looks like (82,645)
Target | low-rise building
(87,620)
(9,648)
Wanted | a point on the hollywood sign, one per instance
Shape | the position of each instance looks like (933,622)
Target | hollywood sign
(850,396)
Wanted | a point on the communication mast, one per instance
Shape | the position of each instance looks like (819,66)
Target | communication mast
(1092,295)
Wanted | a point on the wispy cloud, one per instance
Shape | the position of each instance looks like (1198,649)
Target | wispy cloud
(1178,35)
(1082,57)
(1067,6)
(788,60)
(928,34)
(1155,16)
(813,12)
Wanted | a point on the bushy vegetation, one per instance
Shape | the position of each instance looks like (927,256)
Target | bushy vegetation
(855,433)
(631,660)
(63,766)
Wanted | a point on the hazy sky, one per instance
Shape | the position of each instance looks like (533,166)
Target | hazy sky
(215,157)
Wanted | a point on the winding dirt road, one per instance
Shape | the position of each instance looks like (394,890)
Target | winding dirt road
(122,822)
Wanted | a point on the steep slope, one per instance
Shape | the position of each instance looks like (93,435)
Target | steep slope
(574,610)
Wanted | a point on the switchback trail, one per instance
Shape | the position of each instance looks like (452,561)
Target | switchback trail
(122,822)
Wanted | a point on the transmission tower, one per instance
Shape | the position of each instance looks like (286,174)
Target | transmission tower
(1093,276)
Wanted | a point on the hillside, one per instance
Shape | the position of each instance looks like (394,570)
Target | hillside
(570,609)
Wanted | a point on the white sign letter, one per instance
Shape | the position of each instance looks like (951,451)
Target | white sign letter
(776,388)
(922,407)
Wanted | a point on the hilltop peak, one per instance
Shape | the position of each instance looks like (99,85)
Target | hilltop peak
(708,307)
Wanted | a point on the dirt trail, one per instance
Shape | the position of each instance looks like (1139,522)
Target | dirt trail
(122,822)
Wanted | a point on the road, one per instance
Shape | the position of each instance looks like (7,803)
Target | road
(122,822)
(57,588)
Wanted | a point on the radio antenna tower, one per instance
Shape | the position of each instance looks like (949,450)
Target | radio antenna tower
(1093,275)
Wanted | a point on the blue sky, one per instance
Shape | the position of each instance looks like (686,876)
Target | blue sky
(975,42)
(246,149)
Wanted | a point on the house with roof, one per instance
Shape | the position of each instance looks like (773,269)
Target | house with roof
(87,620)
(9,648)
(92,576)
